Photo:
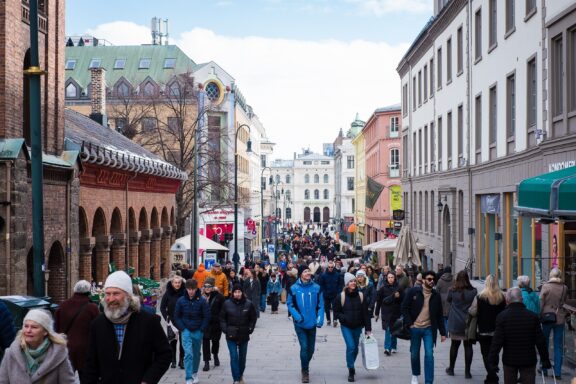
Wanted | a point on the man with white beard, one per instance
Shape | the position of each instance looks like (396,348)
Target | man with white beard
(127,345)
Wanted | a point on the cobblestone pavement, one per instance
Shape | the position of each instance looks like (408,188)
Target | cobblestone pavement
(273,357)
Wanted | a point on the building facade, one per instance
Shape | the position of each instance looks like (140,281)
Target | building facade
(486,103)
(344,183)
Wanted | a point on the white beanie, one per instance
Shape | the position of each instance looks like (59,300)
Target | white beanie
(121,280)
(42,317)
(348,277)
(360,273)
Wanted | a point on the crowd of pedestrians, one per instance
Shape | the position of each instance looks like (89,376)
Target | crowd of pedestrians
(120,342)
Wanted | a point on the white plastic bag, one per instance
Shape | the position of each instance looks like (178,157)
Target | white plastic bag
(369,347)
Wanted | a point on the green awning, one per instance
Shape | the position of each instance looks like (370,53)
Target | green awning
(551,194)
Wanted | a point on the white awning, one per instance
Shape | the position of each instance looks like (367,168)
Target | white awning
(205,243)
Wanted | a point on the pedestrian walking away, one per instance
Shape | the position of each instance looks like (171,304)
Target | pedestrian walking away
(422,312)
(530,298)
(127,345)
(192,316)
(237,320)
(445,282)
(174,291)
(351,309)
(388,302)
(306,305)
(38,354)
(73,318)
(211,336)
(518,333)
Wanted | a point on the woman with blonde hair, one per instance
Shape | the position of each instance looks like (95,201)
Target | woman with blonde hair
(487,305)
(38,354)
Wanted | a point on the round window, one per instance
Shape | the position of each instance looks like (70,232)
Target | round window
(213,91)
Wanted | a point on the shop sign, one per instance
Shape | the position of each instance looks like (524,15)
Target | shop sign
(561,165)
(490,204)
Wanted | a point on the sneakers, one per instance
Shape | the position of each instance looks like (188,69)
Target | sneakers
(414,379)
(393,350)
(387,352)
(188,381)
(195,379)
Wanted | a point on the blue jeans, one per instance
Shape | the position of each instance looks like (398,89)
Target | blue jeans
(263,302)
(351,339)
(238,353)
(416,337)
(192,341)
(558,345)
(390,342)
(307,341)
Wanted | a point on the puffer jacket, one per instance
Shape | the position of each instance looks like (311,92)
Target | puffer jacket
(531,300)
(330,282)
(192,313)
(354,313)
(220,281)
(238,319)
(387,304)
(169,299)
(200,275)
(215,302)
(306,304)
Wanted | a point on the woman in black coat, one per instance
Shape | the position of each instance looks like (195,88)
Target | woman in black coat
(388,301)
(251,287)
(174,290)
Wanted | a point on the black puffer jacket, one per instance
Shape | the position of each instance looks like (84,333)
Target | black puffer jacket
(238,319)
(169,300)
(387,305)
(215,302)
(354,313)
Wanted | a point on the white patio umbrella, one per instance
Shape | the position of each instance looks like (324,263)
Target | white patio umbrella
(406,251)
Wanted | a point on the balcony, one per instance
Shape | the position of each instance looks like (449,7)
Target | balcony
(394,170)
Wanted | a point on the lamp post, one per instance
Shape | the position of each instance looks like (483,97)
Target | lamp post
(262,185)
(236,256)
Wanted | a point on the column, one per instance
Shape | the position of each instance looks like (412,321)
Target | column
(166,260)
(144,253)
(118,251)
(85,258)
(155,253)
(102,257)
(134,240)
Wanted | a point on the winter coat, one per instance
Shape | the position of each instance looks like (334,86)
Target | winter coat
(169,299)
(291,277)
(460,302)
(263,279)
(518,332)
(329,282)
(403,282)
(443,286)
(252,290)
(78,332)
(200,275)
(387,305)
(531,300)
(7,330)
(231,282)
(274,287)
(220,281)
(306,305)
(486,314)
(55,369)
(369,294)
(238,319)
(192,313)
(354,313)
(146,354)
(412,306)
(215,302)
(552,299)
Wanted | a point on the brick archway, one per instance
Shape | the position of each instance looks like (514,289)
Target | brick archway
(57,282)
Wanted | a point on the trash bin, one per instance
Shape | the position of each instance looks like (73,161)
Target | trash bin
(20,305)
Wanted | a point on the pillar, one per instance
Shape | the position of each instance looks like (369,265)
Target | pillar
(155,253)
(102,257)
(134,241)
(118,251)
(165,259)
(85,258)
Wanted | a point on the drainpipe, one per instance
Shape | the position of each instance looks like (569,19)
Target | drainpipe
(469,170)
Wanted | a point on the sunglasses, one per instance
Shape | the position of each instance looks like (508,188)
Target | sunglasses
(429,279)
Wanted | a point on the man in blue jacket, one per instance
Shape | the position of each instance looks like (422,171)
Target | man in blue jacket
(192,316)
(329,282)
(422,311)
(306,305)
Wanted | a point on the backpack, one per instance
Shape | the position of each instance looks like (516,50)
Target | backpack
(343,297)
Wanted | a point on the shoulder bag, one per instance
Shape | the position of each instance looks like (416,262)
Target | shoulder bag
(550,317)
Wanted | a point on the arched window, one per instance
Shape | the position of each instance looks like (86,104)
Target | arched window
(71,91)
(307,194)
(174,89)
(149,89)
(307,178)
(316,179)
(325,178)
(316,194)
(288,195)
(461,216)
(287,179)
(123,90)
(326,194)
(277,179)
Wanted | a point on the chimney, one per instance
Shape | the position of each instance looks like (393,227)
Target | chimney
(98,95)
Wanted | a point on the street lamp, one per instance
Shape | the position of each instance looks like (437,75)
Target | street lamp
(262,185)
(236,256)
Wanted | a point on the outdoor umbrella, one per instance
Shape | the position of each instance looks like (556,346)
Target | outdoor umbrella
(406,251)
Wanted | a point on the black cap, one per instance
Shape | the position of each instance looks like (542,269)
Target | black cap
(301,269)
(237,287)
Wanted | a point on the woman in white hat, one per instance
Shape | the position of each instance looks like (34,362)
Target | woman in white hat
(38,354)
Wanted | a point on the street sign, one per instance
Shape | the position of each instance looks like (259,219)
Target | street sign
(209,259)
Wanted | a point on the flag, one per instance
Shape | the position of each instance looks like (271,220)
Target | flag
(373,191)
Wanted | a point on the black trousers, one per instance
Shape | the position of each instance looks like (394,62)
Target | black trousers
(485,343)
(173,348)
(273,297)
(215,341)
(328,307)
(527,375)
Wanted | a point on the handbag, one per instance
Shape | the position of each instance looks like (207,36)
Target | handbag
(400,330)
(550,317)
(471,328)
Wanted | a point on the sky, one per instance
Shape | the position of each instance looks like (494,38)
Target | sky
(306,67)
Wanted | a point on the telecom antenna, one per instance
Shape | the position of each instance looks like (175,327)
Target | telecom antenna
(159,30)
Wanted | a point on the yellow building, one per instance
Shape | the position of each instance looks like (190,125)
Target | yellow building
(359,216)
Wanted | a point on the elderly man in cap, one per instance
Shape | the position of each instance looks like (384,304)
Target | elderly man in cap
(192,316)
(220,279)
(127,346)
(306,305)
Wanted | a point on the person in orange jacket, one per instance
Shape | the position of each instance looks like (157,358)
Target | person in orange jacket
(200,275)
(221,281)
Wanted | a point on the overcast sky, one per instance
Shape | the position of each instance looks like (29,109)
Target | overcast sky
(305,66)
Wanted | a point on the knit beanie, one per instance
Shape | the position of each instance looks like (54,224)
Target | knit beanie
(348,277)
(360,273)
(237,287)
(301,269)
(42,317)
(121,280)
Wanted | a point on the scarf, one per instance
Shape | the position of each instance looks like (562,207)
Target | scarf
(120,329)
(122,319)
(34,357)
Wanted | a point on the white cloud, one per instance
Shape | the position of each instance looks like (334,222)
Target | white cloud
(383,7)
(122,33)
(303,91)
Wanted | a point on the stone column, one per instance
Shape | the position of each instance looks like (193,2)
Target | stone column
(85,258)
(102,257)
(165,259)
(155,253)
(144,253)
(118,251)
(134,240)
(173,236)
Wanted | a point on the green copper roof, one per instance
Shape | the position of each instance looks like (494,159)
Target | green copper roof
(131,71)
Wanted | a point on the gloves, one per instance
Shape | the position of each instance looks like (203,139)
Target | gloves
(546,364)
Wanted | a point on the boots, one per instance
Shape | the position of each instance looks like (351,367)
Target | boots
(216,361)
(305,377)
(181,362)
(206,366)
(351,373)
(173,365)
